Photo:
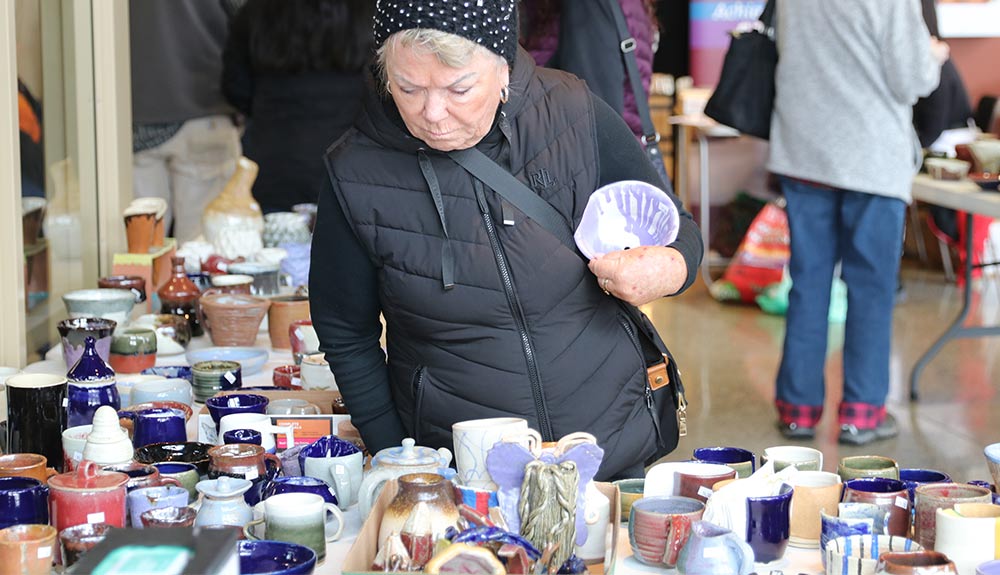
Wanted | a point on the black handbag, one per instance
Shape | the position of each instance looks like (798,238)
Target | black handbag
(650,137)
(744,98)
(665,393)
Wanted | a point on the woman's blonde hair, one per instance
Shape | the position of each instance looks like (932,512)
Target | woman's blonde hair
(451,50)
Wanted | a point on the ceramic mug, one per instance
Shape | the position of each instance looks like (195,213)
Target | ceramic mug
(992,454)
(300,484)
(848,519)
(287,377)
(303,339)
(26,465)
(859,466)
(223,405)
(185,474)
(284,310)
(73,441)
(339,463)
(292,407)
(988,568)
(934,496)
(174,389)
(300,518)
(473,439)
(36,415)
(916,563)
(890,495)
(87,495)
(630,491)
(77,540)
(858,554)
(133,349)
(27,549)
(768,523)
(712,549)
(813,492)
(659,527)
(157,425)
(135,284)
(210,377)
(742,460)
(85,398)
(168,517)
(261,423)
(969,534)
(316,374)
(686,478)
(142,500)
(913,478)
(251,436)
(802,458)
(23,501)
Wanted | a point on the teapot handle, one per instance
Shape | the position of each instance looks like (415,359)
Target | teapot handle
(370,488)
(445,456)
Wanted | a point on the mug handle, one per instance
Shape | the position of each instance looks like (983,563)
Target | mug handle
(86,471)
(277,464)
(370,489)
(49,472)
(248,531)
(330,507)
(342,483)
(288,431)
(171,481)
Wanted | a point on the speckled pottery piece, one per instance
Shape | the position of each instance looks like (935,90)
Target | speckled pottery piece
(432,490)
(173,333)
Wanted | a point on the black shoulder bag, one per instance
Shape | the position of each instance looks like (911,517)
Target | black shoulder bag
(650,137)
(744,98)
(661,369)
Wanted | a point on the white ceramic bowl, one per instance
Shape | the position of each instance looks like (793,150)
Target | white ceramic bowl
(113,304)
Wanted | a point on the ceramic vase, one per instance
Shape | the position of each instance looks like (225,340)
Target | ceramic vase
(234,207)
(179,296)
(435,493)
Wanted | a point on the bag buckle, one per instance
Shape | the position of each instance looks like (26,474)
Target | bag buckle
(682,414)
(657,374)
(628,45)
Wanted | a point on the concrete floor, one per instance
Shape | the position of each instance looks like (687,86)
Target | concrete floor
(729,356)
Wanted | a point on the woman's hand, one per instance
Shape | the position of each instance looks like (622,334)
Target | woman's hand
(640,275)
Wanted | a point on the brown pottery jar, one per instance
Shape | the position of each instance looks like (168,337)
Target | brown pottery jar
(180,295)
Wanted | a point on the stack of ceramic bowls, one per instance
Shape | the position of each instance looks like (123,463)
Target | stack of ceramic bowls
(211,377)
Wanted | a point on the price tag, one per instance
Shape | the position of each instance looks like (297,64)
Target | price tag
(44,552)
(252,474)
(296,382)
(95,517)
(77,456)
(705,491)
(902,502)
(65,401)
(230,377)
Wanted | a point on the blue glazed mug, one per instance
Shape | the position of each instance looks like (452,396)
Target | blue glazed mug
(742,460)
(223,405)
(250,436)
(768,524)
(338,462)
(85,398)
(23,501)
(300,484)
(853,519)
(157,425)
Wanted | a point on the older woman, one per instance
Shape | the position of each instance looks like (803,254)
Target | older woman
(488,314)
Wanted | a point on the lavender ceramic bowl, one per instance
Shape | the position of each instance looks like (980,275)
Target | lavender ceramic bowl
(74,331)
(624,215)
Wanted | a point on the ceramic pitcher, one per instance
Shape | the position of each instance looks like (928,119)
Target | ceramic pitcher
(712,549)
(394,462)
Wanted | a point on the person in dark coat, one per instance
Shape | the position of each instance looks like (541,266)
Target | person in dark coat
(580,37)
(295,70)
(488,314)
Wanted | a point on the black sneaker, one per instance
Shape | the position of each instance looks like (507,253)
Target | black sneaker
(796,431)
(851,435)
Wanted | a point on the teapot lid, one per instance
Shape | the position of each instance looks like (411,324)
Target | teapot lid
(89,477)
(224,486)
(409,453)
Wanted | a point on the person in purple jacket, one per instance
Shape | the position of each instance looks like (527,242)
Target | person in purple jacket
(580,37)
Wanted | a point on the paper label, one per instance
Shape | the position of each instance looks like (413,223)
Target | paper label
(77,456)
(296,382)
(44,552)
(902,502)
(306,430)
(230,377)
(705,491)
(252,474)
(65,401)
(95,517)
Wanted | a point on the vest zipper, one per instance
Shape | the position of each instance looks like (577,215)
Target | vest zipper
(417,386)
(647,391)
(541,411)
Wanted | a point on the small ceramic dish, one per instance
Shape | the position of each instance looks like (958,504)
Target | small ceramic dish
(947,168)
(171,372)
(188,452)
(625,215)
(251,359)
(275,558)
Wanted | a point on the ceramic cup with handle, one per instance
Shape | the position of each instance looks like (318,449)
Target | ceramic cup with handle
(339,463)
(658,527)
(713,549)
(473,439)
(258,422)
(316,374)
(813,492)
(302,518)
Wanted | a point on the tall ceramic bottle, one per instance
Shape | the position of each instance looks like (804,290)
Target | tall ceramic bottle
(179,296)
(233,221)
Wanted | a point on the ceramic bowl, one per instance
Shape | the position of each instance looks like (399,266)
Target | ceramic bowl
(133,349)
(113,304)
(129,425)
(171,372)
(173,332)
(188,452)
(275,558)
(75,330)
(233,319)
(853,555)
(624,215)
(946,168)
(211,377)
(251,359)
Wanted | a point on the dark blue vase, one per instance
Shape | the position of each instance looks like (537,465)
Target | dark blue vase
(91,367)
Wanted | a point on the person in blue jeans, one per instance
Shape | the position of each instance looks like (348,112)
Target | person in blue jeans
(842,141)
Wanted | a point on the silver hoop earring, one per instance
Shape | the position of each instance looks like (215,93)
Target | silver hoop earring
(504,94)
(388,88)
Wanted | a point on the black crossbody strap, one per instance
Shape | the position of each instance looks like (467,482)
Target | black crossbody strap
(514,191)
(627,45)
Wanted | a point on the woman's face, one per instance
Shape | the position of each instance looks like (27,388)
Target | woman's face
(448,108)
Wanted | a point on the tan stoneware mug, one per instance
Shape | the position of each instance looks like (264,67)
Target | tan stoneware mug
(26,465)
(859,466)
(813,492)
(284,310)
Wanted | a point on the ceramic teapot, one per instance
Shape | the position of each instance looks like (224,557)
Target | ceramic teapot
(393,462)
(222,502)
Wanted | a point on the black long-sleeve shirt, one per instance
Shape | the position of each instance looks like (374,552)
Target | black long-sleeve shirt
(344,283)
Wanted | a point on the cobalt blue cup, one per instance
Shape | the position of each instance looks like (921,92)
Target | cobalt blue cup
(300,484)
(84,399)
(156,425)
(742,460)
(223,405)
(23,501)
(251,436)
(324,447)
(275,558)
(769,524)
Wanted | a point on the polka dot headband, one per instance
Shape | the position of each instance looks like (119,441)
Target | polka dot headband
(490,23)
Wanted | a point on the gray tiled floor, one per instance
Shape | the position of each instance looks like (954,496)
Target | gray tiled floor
(729,356)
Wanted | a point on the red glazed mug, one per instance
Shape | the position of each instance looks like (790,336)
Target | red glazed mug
(87,495)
